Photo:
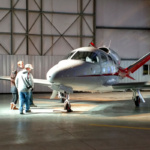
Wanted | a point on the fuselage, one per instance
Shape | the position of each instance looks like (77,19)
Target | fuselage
(87,69)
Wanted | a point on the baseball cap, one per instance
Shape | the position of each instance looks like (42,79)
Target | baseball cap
(28,66)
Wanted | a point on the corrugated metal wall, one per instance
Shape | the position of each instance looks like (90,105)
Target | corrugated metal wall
(138,75)
(41,65)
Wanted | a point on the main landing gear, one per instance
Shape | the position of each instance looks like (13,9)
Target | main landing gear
(64,98)
(138,98)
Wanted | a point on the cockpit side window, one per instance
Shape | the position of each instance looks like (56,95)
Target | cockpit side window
(90,57)
(104,58)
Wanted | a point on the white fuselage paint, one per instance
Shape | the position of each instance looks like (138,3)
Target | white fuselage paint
(85,75)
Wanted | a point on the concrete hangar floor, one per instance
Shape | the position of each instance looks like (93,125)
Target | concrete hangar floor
(107,121)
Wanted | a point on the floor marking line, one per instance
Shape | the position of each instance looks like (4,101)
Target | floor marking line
(114,126)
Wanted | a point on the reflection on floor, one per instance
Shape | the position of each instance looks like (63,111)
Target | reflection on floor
(104,121)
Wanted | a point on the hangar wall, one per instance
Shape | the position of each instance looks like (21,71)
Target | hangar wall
(42,32)
(126,23)
(45,27)
(42,63)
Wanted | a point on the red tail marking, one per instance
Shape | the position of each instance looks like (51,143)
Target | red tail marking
(131,69)
(124,73)
(138,64)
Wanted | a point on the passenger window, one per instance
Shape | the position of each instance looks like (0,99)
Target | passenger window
(110,59)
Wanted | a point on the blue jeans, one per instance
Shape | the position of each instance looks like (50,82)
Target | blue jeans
(24,98)
(31,98)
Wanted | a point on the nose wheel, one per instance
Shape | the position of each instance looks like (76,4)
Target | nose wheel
(64,98)
(67,106)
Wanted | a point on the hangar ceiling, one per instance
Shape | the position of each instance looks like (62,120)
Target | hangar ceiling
(45,27)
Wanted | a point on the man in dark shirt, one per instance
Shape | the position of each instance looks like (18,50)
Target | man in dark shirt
(14,91)
(20,66)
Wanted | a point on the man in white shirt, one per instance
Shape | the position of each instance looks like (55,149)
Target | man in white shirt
(24,83)
(21,67)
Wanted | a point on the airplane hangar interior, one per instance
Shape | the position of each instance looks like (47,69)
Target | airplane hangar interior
(85,79)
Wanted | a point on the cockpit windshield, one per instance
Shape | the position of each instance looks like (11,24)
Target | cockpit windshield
(90,57)
(69,55)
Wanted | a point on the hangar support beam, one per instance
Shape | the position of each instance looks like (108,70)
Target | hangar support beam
(123,28)
(41,27)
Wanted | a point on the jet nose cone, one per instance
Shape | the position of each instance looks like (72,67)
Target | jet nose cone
(53,74)
(50,76)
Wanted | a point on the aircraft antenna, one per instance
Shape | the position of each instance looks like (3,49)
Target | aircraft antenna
(109,44)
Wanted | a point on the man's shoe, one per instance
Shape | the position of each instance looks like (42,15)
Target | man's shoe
(11,105)
(21,113)
(33,105)
(28,111)
(15,108)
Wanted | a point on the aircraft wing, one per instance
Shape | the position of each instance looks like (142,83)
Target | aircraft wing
(131,85)
(42,82)
(36,81)
(5,78)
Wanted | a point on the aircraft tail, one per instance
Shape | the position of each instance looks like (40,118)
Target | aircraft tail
(125,72)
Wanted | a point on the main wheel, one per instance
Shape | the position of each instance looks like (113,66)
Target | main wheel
(137,101)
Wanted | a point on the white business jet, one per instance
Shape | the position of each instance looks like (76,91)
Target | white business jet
(94,70)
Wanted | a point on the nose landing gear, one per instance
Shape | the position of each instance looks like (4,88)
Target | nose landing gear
(67,106)
(64,97)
